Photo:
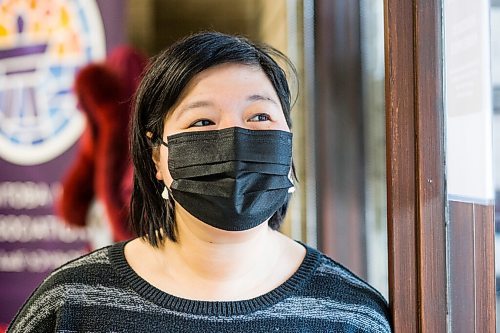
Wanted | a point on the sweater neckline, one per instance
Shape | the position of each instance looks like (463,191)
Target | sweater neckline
(294,283)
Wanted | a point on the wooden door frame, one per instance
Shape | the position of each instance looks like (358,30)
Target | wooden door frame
(441,276)
(415,166)
(441,252)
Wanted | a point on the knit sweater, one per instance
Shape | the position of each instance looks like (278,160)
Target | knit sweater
(100,292)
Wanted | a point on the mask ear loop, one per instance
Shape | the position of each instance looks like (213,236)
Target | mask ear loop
(156,139)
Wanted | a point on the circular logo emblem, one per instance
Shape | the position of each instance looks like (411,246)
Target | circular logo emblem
(42,46)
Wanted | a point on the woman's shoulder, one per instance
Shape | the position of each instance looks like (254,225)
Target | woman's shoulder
(328,268)
(331,276)
(83,269)
(74,278)
(337,288)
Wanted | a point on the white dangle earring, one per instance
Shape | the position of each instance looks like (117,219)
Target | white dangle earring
(164,194)
(291,189)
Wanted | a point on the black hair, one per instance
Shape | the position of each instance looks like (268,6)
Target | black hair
(163,82)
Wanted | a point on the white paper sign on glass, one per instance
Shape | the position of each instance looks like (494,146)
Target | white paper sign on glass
(468,101)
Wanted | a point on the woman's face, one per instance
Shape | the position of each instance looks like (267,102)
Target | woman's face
(227,95)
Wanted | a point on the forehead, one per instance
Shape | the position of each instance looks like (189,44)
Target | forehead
(230,74)
(225,82)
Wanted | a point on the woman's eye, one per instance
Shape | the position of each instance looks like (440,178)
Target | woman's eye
(260,117)
(202,122)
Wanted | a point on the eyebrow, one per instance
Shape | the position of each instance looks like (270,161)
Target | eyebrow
(197,104)
(257,97)
(251,98)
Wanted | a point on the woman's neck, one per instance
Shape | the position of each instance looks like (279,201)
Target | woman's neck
(206,263)
(213,256)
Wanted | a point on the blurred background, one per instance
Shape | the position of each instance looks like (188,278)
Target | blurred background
(64,167)
(69,69)
(65,181)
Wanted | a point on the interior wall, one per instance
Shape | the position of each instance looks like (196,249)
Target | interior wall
(155,24)
(372,45)
(281,25)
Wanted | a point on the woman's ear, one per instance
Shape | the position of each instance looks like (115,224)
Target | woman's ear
(156,160)
(155,156)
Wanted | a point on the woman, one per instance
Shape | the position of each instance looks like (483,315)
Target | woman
(211,147)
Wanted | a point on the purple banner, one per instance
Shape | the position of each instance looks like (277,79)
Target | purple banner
(33,241)
(42,46)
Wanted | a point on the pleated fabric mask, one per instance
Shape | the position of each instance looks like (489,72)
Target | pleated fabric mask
(233,179)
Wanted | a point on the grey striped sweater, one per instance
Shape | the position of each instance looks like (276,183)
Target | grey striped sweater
(100,292)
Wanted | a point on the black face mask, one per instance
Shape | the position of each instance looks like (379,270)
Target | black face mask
(232,179)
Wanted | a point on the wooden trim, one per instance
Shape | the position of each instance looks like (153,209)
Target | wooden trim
(472,267)
(401,174)
(431,202)
(339,133)
(484,256)
(415,166)
(461,236)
